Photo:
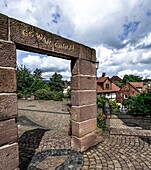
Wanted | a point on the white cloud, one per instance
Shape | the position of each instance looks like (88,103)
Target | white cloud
(145,73)
(66,75)
(118,30)
(114,61)
(48,65)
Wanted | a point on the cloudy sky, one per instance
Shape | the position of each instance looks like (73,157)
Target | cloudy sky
(119,30)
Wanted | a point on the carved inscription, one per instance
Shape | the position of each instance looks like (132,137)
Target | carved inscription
(47,41)
(37,35)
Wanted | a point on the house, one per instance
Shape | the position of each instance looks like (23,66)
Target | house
(106,87)
(130,89)
(66,87)
(116,79)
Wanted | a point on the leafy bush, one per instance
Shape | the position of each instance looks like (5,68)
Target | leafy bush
(58,96)
(43,94)
(69,93)
(101,120)
(20,95)
(113,104)
(140,104)
(100,101)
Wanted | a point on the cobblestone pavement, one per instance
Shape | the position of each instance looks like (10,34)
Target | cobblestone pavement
(126,148)
(44,143)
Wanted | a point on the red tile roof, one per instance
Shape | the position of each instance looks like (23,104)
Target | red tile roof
(101,79)
(114,89)
(116,78)
(137,84)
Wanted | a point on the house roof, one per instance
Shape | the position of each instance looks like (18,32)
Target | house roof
(116,78)
(101,79)
(114,89)
(137,84)
(145,88)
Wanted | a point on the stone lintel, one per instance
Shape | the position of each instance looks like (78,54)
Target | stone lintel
(87,53)
(34,39)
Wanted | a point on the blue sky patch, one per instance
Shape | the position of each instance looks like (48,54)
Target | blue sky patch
(56,15)
(148,13)
(127,28)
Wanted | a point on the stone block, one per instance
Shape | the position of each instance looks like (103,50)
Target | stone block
(82,144)
(7,54)
(8,106)
(3,27)
(79,98)
(9,159)
(8,132)
(7,80)
(66,47)
(79,113)
(83,67)
(87,53)
(83,83)
(79,129)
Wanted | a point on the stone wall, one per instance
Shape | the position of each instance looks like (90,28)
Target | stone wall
(8,107)
(14,35)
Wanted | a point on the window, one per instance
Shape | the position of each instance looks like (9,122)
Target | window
(125,96)
(107,86)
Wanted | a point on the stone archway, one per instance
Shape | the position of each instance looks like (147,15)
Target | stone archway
(14,35)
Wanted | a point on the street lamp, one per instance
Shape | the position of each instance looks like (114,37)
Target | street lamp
(97,64)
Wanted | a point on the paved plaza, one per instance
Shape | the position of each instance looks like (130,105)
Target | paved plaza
(126,148)
(44,143)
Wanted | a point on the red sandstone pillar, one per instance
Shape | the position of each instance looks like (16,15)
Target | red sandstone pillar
(83,100)
(9,159)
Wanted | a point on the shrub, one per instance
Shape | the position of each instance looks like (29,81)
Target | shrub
(69,93)
(101,120)
(43,94)
(20,95)
(100,101)
(113,104)
(58,96)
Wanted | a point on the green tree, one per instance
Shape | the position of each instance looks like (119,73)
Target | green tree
(56,83)
(140,104)
(118,84)
(131,78)
(100,101)
(37,73)
(39,84)
(24,80)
